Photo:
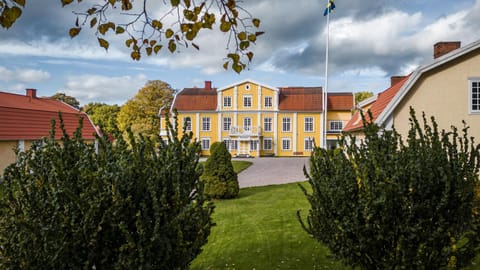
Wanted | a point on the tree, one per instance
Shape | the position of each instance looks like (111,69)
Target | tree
(360,96)
(141,112)
(148,26)
(135,204)
(103,115)
(221,180)
(72,101)
(390,203)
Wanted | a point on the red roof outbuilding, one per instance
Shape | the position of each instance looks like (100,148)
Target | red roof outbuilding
(28,117)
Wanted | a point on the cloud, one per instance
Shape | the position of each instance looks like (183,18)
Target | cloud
(94,88)
(23,75)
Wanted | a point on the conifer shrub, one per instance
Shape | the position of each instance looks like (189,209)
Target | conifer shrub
(219,177)
(393,203)
(135,204)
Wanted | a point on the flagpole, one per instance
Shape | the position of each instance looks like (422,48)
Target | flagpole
(325,94)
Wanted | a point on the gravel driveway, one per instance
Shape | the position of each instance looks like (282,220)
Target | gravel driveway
(272,171)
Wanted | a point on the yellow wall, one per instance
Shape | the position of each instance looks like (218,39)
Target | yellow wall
(443,93)
(7,154)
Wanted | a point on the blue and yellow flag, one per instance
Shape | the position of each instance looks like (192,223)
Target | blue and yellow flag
(330,8)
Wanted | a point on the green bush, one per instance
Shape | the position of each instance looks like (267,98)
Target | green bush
(129,205)
(221,181)
(389,203)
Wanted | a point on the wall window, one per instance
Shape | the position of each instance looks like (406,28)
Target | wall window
(253,145)
(475,96)
(205,143)
(205,123)
(247,123)
(267,144)
(231,144)
(267,124)
(247,101)
(227,123)
(308,124)
(268,102)
(286,124)
(227,101)
(336,126)
(187,123)
(308,144)
(286,144)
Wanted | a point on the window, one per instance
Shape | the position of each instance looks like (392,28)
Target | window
(268,102)
(206,144)
(253,145)
(205,123)
(247,101)
(308,124)
(247,87)
(247,123)
(336,126)
(286,124)
(187,123)
(308,144)
(267,124)
(267,144)
(231,144)
(227,123)
(227,101)
(475,96)
(285,144)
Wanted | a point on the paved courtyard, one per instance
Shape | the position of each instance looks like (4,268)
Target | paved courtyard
(272,171)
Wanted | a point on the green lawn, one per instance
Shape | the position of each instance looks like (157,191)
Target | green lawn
(240,165)
(260,230)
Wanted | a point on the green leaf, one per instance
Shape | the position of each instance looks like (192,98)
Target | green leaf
(119,30)
(9,16)
(172,46)
(187,3)
(93,22)
(157,24)
(74,31)
(244,45)
(237,67)
(250,56)
(191,35)
(225,26)
(169,33)
(103,43)
(175,2)
(256,22)
(20,2)
(157,48)
(66,2)
(252,37)
(148,50)
(135,55)
(242,36)
(129,42)
(225,65)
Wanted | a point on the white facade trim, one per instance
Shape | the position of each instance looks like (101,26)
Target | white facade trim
(197,125)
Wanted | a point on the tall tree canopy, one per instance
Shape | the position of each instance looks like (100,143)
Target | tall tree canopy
(148,26)
(72,101)
(103,115)
(141,112)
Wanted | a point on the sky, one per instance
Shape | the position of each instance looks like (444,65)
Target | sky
(369,42)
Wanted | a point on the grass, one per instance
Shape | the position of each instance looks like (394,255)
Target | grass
(240,165)
(260,230)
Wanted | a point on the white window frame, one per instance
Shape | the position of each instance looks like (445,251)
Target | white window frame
(203,140)
(471,93)
(247,100)
(187,124)
(308,127)
(270,144)
(206,124)
(285,140)
(247,126)
(308,144)
(268,102)
(333,122)
(269,122)
(227,102)
(229,122)
(286,125)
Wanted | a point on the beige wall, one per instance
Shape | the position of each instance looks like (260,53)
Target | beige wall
(443,93)
(7,154)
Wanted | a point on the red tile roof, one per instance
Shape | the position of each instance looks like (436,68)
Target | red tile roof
(300,99)
(340,101)
(196,99)
(377,107)
(28,118)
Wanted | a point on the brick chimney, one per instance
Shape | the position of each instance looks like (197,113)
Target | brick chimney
(208,85)
(31,93)
(396,79)
(444,47)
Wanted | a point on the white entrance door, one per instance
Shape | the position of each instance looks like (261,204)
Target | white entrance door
(244,148)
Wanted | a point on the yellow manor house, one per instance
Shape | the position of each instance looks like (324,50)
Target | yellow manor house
(258,120)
